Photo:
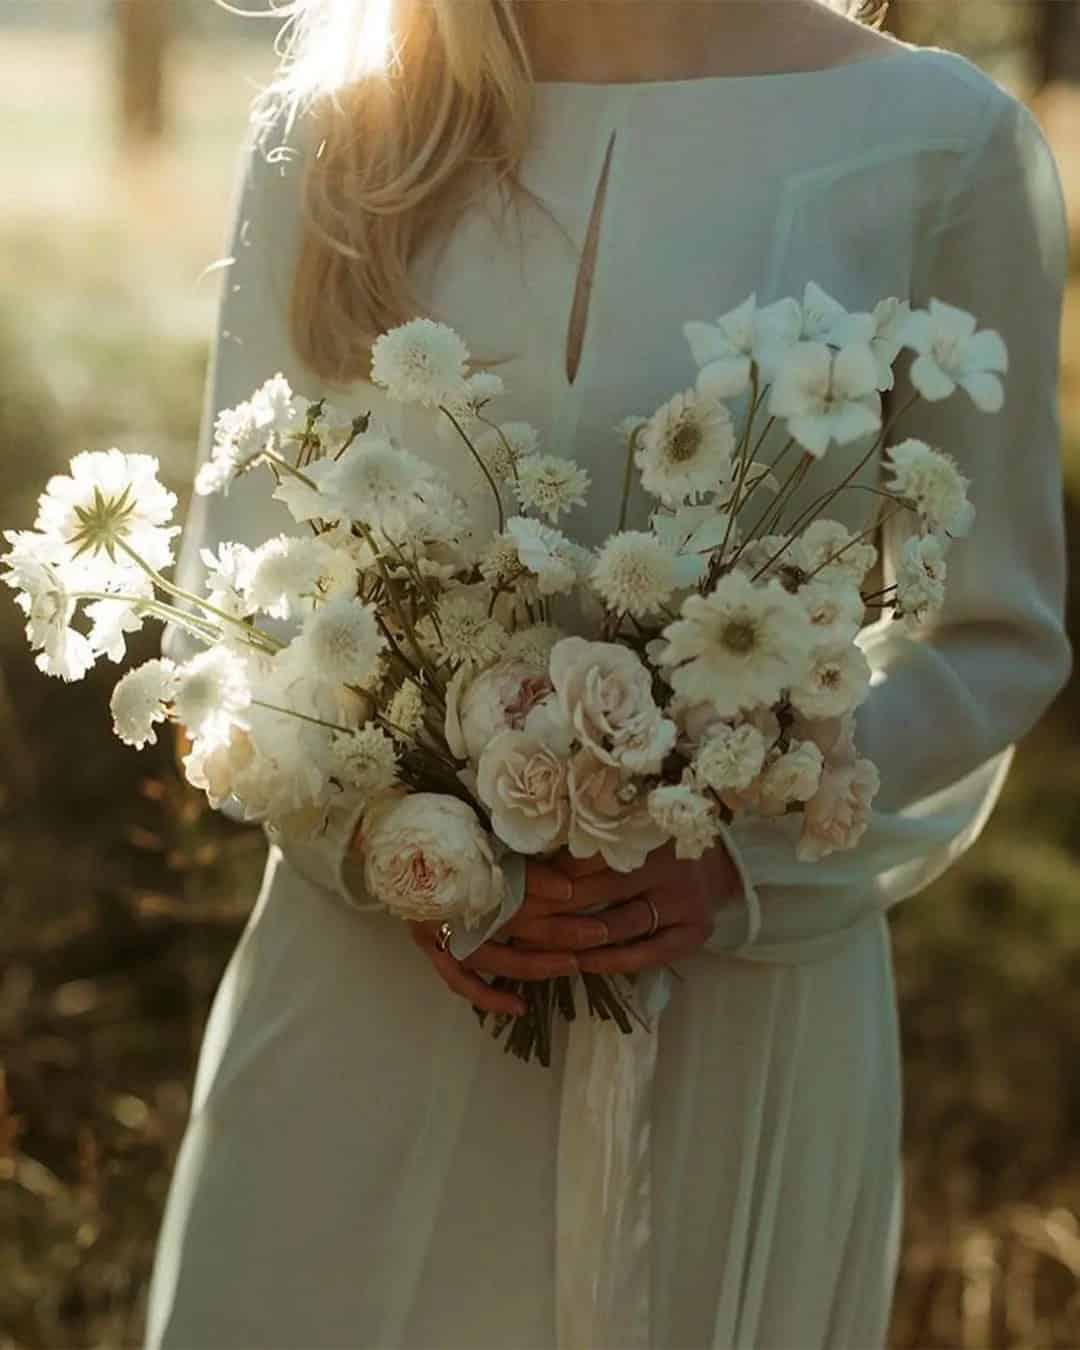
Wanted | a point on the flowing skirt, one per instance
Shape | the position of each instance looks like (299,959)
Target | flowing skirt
(364,1166)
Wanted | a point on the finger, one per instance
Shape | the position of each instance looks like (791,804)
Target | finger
(547,884)
(580,867)
(556,932)
(497,959)
(633,919)
(668,945)
(610,887)
(473,988)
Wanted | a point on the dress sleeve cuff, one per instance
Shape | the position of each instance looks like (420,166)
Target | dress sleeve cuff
(736,927)
(325,859)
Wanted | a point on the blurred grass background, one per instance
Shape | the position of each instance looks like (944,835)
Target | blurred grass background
(123,896)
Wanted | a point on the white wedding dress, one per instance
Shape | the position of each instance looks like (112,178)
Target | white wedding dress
(364,1166)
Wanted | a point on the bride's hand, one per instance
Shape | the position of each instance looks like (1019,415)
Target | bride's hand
(684,893)
(547,919)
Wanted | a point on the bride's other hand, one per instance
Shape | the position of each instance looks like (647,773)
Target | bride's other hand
(684,892)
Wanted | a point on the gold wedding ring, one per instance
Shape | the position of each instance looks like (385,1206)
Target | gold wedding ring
(443,936)
(655,916)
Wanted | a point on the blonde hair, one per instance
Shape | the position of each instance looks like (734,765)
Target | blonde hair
(410,99)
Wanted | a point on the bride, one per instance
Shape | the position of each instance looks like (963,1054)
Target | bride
(363,1165)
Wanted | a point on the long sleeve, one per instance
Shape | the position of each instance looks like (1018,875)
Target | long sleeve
(250,331)
(948,704)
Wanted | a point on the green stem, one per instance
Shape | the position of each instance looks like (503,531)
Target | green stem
(483,467)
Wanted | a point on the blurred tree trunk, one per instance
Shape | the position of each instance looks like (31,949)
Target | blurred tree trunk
(1058,57)
(142,36)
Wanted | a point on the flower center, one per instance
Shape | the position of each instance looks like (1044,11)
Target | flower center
(685,443)
(739,635)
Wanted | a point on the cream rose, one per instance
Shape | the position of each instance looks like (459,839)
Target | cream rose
(605,694)
(836,816)
(426,856)
(498,699)
(523,783)
(608,815)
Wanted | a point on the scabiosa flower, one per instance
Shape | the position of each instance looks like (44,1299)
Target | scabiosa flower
(951,353)
(500,564)
(43,594)
(365,760)
(838,679)
(634,573)
(228,573)
(406,712)
(465,633)
(420,362)
(933,482)
(685,448)
(503,450)
(827,395)
(556,561)
(139,700)
(739,646)
(686,816)
(341,641)
(532,646)
(288,574)
(730,757)
(211,693)
(552,485)
(373,480)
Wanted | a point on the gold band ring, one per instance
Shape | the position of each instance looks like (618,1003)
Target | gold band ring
(655,916)
(443,936)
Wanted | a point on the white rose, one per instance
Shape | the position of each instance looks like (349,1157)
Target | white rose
(605,694)
(839,812)
(426,856)
(687,816)
(498,699)
(608,815)
(793,776)
(730,757)
(523,784)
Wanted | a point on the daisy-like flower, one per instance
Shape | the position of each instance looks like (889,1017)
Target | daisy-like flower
(739,646)
(787,322)
(634,573)
(549,484)
(920,579)
(421,361)
(835,606)
(503,450)
(532,646)
(838,680)
(724,350)
(239,439)
(139,700)
(730,757)
(827,396)
(228,575)
(406,712)
(692,534)
(828,542)
(111,502)
(467,404)
(465,634)
(933,482)
(686,815)
(500,564)
(289,574)
(685,448)
(211,693)
(365,760)
(373,480)
(341,641)
(882,330)
(276,409)
(951,353)
(556,561)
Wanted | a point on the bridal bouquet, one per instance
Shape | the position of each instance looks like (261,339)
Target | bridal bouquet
(424,665)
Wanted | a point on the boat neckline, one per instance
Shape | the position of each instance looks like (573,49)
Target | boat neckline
(730,79)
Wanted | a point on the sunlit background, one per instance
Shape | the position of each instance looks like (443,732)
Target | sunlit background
(123,895)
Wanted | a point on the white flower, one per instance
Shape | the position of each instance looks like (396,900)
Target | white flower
(634,573)
(374,483)
(883,329)
(305,501)
(555,561)
(786,323)
(111,502)
(932,480)
(524,785)
(214,766)
(287,575)
(827,396)
(951,353)
(499,699)
(609,815)
(42,593)
(686,816)
(341,641)
(115,620)
(211,693)
(138,701)
(364,760)
(227,578)
(504,449)
(834,736)
(500,563)
(532,646)
(838,680)
(693,534)
(724,350)
(605,695)
(834,604)
(420,362)
(240,437)
(739,646)
(685,448)
(426,856)
(920,579)
(837,815)
(730,757)
(275,408)
(406,712)
(829,545)
(549,484)
(791,777)
(464,633)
